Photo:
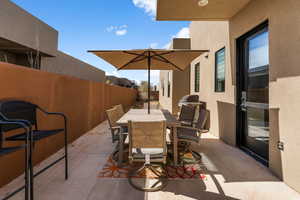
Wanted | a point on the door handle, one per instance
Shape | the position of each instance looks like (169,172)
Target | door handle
(243,107)
(243,101)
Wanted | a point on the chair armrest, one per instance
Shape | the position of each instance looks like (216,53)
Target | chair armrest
(193,128)
(188,127)
(55,113)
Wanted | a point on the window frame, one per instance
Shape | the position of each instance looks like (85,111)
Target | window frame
(197,81)
(162,81)
(169,85)
(216,70)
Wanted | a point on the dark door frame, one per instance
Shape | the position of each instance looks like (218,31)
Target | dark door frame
(240,57)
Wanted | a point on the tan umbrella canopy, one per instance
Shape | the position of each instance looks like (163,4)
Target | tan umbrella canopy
(149,59)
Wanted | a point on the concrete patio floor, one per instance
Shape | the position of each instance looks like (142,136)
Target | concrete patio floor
(231,174)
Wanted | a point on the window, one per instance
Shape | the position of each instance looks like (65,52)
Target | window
(197,77)
(169,84)
(162,83)
(220,70)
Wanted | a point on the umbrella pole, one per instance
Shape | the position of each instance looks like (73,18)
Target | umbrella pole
(149,63)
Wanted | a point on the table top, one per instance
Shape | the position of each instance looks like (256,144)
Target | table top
(142,115)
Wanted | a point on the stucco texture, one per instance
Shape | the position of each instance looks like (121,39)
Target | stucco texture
(65,64)
(21,27)
(84,103)
(214,36)
(284,72)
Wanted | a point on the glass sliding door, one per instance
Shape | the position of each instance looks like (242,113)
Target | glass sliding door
(253,92)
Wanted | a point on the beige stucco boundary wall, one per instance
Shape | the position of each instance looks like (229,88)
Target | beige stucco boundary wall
(84,103)
(65,64)
(284,92)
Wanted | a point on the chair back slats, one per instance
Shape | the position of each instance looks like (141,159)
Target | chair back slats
(112,117)
(147,134)
(187,113)
(202,119)
(15,109)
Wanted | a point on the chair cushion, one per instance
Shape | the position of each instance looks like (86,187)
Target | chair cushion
(37,135)
(154,152)
(187,134)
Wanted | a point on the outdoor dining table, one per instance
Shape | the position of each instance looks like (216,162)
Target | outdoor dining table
(142,115)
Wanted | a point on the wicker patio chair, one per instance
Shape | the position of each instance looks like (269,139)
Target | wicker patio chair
(187,114)
(187,135)
(113,117)
(147,144)
(120,110)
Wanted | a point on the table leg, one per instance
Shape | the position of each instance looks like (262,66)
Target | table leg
(175,150)
(121,144)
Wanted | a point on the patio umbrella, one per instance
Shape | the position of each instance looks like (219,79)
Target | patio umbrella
(149,59)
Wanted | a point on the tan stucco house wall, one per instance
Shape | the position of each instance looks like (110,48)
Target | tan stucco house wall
(214,36)
(21,27)
(284,83)
(284,72)
(179,80)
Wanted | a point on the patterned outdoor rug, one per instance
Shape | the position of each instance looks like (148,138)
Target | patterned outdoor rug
(188,171)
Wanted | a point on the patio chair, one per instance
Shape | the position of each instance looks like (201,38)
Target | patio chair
(120,110)
(188,135)
(112,117)
(6,126)
(187,114)
(147,144)
(26,113)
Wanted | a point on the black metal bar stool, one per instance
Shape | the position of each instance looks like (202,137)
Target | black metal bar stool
(6,126)
(26,113)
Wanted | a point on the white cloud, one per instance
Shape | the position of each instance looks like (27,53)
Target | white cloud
(148,5)
(121,32)
(118,30)
(123,26)
(182,33)
(154,45)
(167,46)
(110,29)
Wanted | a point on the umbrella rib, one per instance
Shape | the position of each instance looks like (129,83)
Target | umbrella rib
(135,59)
(166,60)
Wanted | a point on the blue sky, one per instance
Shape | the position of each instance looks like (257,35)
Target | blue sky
(99,24)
